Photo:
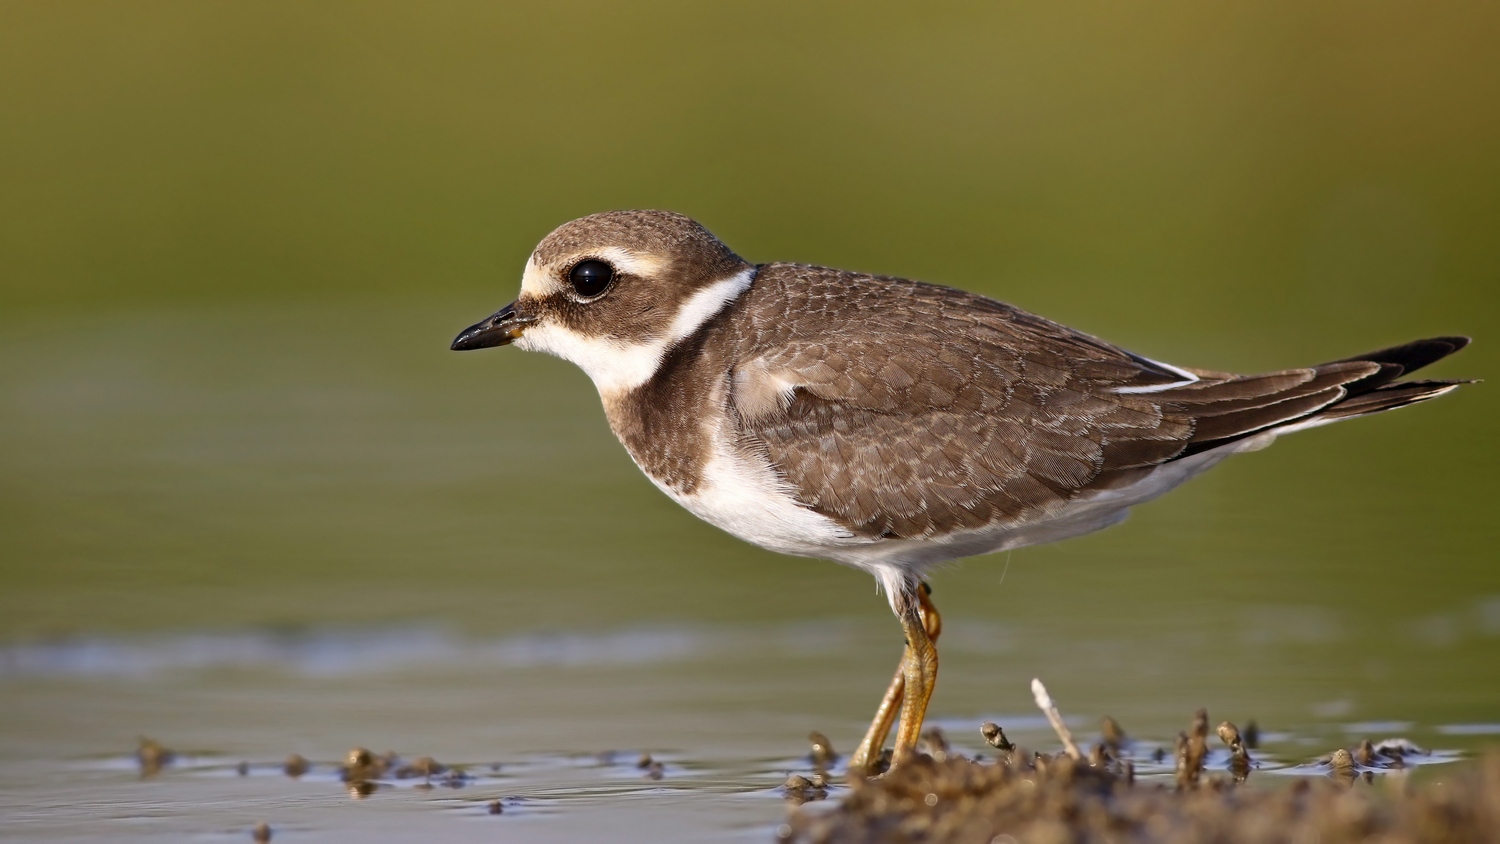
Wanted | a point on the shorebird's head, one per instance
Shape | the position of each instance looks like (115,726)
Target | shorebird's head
(613,292)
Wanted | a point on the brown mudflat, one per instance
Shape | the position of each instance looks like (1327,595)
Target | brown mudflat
(1020,796)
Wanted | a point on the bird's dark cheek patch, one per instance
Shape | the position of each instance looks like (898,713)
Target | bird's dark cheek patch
(617,313)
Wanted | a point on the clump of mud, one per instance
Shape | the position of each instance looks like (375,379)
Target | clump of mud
(1021,796)
(153,757)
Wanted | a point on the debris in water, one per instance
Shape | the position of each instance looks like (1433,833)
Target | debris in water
(1192,749)
(1342,763)
(799,789)
(425,767)
(296,765)
(1239,760)
(995,736)
(152,757)
(654,769)
(361,770)
(1113,736)
(823,755)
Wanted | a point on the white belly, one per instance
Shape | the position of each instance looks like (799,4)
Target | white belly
(742,495)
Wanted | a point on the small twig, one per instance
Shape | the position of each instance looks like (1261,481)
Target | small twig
(1044,702)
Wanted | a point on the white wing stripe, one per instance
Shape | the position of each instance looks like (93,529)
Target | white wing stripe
(1188,378)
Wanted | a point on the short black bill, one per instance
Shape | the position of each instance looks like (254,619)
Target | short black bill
(501,329)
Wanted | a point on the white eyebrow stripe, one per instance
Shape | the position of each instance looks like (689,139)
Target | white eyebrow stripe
(633,263)
(615,366)
(534,283)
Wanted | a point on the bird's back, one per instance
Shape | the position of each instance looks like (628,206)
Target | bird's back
(903,411)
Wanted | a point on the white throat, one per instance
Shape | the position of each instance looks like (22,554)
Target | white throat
(616,366)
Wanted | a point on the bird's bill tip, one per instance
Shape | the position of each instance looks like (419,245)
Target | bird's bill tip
(502,328)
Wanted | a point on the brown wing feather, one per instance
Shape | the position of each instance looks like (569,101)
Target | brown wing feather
(942,410)
(906,410)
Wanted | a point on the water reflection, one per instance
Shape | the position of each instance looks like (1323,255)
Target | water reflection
(337,653)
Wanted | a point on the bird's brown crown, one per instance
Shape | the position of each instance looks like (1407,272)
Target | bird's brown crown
(623,275)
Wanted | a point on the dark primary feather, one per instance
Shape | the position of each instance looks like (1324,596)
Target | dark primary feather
(917,410)
(1377,389)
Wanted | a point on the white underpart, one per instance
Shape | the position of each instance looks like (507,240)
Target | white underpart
(614,365)
(1187,378)
(741,494)
(738,492)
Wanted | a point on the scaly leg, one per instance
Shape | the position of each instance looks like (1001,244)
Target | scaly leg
(874,741)
(921,679)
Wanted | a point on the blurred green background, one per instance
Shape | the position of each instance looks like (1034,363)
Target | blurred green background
(236,239)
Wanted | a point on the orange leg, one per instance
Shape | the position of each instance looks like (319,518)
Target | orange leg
(918,661)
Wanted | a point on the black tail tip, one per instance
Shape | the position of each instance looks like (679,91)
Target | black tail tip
(1414,355)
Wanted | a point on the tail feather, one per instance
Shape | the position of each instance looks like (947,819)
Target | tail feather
(1389,397)
(1414,355)
(1228,426)
(1251,392)
(1236,408)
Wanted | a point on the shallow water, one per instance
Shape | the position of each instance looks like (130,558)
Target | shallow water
(552,726)
(248,532)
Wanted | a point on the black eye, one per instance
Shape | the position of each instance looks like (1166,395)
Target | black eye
(589,278)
